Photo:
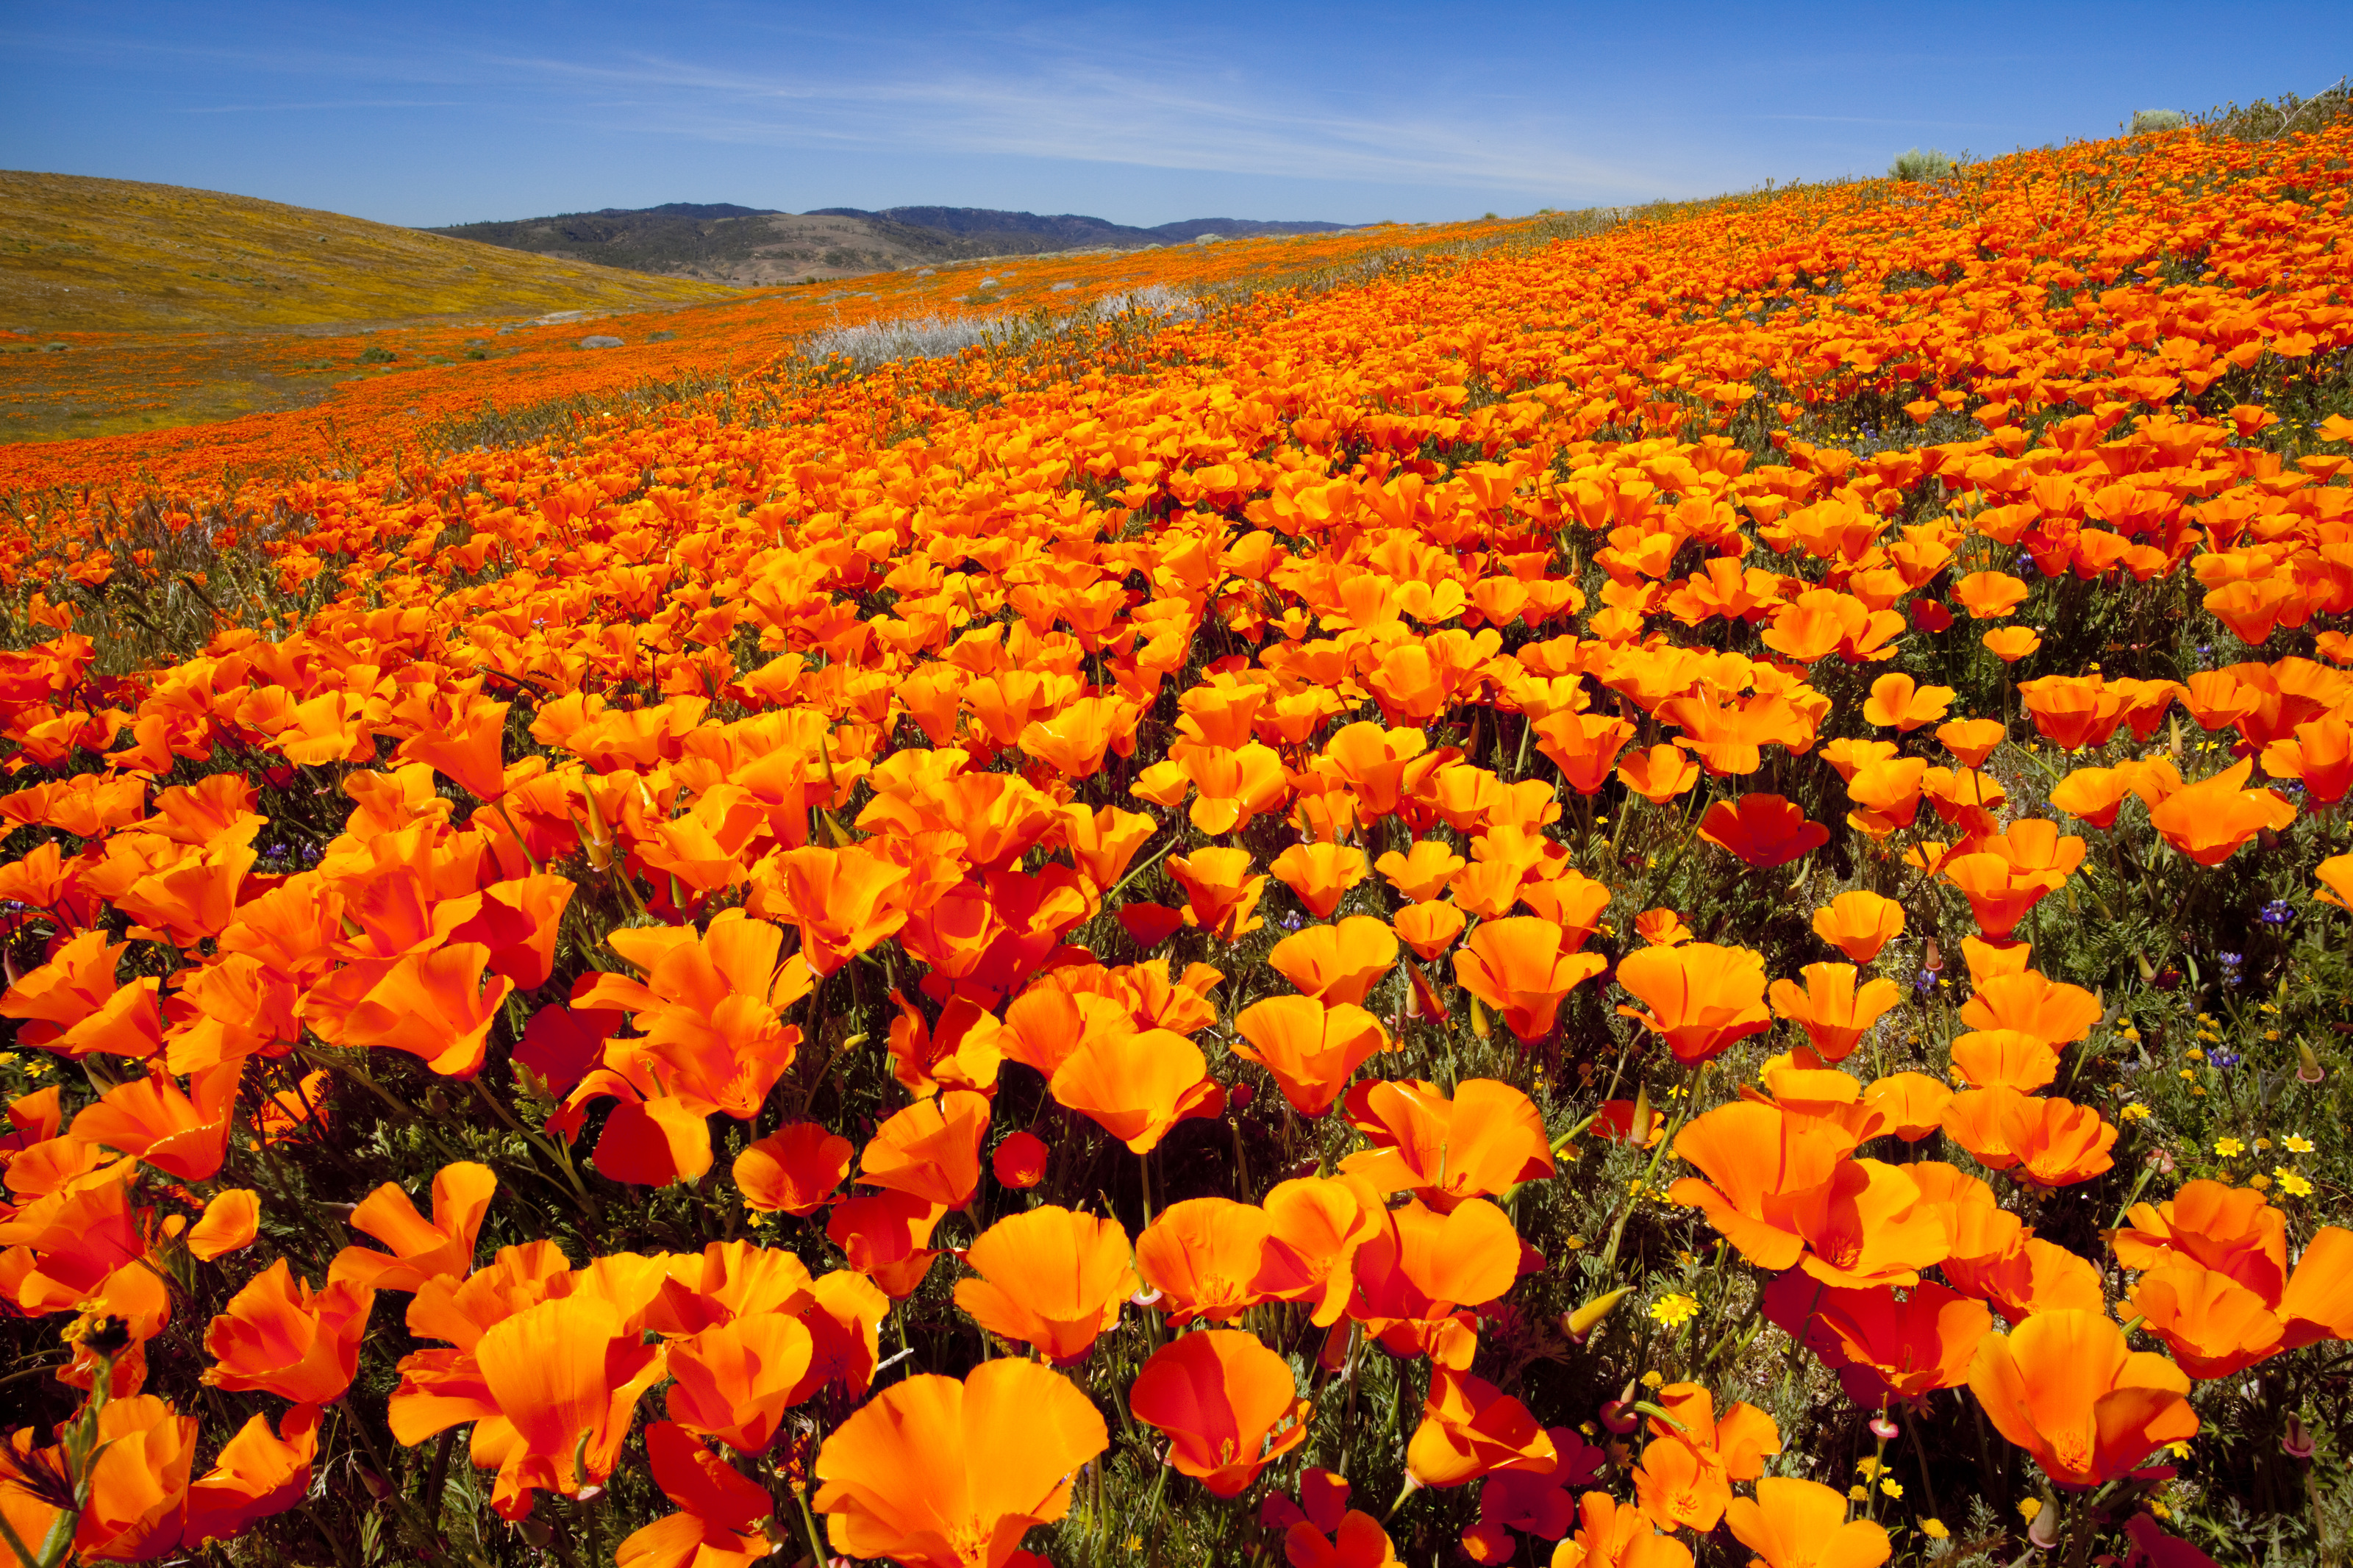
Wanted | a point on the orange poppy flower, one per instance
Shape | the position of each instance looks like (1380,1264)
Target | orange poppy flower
(1999,895)
(1020,1161)
(1685,1477)
(1337,963)
(1103,842)
(1765,830)
(440,1248)
(2321,756)
(1762,1164)
(1659,774)
(554,1389)
(184,1135)
(1422,873)
(2005,1057)
(1897,700)
(1220,890)
(2010,644)
(1315,1225)
(2234,1231)
(937,1473)
(795,1170)
(232,1218)
(1417,1270)
(1137,1085)
(1471,1428)
(734,1381)
(258,1473)
(2065,1386)
(1611,1534)
(2209,820)
(1320,874)
(1884,1349)
(887,1237)
(1583,746)
(278,1335)
(719,1510)
(1859,924)
(1205,1256)
(1520,966)
(2213,1325)
(2025,1000)
(1049,1278)
(1971,741)
(2050,1142)
(1990,596)
(843,901)
(1430,929)
(1834,1012)
(1487,1139)
(2095,794)
(1794,1524)
(2319,1301)
(1701,997)
(930,1151)
(1312,1049)
(1887,795)
(138,1483)
(1662,928)
(1229,1405)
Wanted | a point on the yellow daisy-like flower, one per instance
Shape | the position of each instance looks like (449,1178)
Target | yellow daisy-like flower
(1934,1529)
(2132,1113)
(1653,1380)
(2296,1144)
(2028,1506)
(1858,1494)
(2229,1147)
(1891,1487)
(1673,1309)
(2293,1184)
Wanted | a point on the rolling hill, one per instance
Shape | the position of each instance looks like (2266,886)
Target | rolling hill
(78,254)
(721,242)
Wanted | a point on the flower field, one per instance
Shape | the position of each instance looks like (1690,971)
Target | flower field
(1643,892)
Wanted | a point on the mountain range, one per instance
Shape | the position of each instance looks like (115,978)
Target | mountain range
(719,242)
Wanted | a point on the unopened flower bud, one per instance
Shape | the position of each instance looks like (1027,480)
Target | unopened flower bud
(2296,1441)
(2307,1067)
(1240,1096)
(1882,1428)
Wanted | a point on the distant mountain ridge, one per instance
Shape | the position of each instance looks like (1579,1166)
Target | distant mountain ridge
(721,242)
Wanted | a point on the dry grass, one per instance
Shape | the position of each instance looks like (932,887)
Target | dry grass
(89,255)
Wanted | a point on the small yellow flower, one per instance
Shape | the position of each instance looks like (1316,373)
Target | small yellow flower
(2263,1144)
(1133,1543)
(2271,1034)
(1673,1309)
(1575,1244)
(2296,1144)
(2260,1181)
(2178,1450)
(2028,1508)
(2159,1510)
(7,1059)
(1858,1494)
(2229,1147)
(2293,1184)
(1867,1467)
(1891,1487)
(1651,1380)
(2132,1113)
(1934,1529)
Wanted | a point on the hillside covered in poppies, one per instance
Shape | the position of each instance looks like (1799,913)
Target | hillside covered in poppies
(1626,890)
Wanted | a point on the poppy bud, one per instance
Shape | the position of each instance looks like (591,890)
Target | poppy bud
(2296,1441)
(377,1487)
(2043,1532)
(535,1531)
(1240,1096)
(1588,1316)
(2307,1069)
(435,1101)
(1478,1019)
(1882,1428)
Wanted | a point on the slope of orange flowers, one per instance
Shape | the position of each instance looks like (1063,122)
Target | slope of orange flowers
(176,397)
(1666,897)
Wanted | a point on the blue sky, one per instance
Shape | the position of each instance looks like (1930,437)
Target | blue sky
(440,112)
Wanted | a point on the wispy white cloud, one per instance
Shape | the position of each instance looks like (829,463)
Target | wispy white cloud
(322,104)
(1084,110)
